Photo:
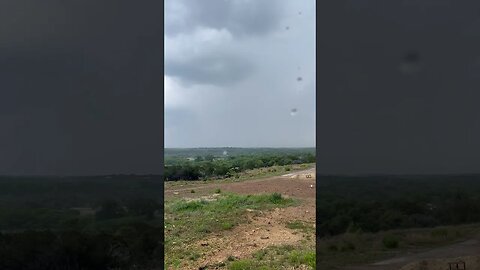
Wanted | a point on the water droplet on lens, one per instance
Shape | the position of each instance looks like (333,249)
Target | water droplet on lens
(299,13)
(412,57)
(286,28)
(293,112)
(410,63)
(299,79)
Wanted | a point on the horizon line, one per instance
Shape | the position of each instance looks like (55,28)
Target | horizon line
(198,147)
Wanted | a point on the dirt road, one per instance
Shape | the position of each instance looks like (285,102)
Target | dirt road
(466,248)
(295,184)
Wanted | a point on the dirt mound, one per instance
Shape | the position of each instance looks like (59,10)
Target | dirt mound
(470,263)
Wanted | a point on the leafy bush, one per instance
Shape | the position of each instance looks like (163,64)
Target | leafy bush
(276,198)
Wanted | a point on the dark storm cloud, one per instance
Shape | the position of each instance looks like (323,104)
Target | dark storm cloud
(214,69)
(80,87)
(376,118)
(240,17)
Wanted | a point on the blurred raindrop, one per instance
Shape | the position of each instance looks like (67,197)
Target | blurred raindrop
(293,112)
(288,27)
(410,63)
(299,13)
(299,79)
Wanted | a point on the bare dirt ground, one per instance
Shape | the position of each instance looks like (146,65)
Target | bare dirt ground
(262,228)
(294,184)
(466,248)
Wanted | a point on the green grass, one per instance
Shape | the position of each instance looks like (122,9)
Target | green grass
(301,226)
(300,258)
(246,265)
(277,257)
(189,221)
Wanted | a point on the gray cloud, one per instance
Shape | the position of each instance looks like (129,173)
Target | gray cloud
(231,73)
(215,69)
(202,38)
(240,17)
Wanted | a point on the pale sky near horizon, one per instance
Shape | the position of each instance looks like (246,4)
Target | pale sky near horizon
(232,73)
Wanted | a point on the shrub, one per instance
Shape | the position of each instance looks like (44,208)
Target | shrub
(347,246)
(440,233)
(390,241)
(276,198)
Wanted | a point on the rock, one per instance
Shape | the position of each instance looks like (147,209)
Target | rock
(175,193)
(311,186)
(204,244)
(264,237)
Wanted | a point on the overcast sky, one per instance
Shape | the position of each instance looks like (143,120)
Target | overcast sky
(80,87)
(231,73)
(399,87)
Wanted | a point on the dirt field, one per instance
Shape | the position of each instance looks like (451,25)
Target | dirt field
(262,228)
(294,184)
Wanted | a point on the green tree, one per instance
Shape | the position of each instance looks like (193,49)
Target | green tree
(143,207)
(109,209)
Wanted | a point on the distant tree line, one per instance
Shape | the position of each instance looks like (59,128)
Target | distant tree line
(377,204)
(134,246)
(235,151)
(118,235)
(203,167)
